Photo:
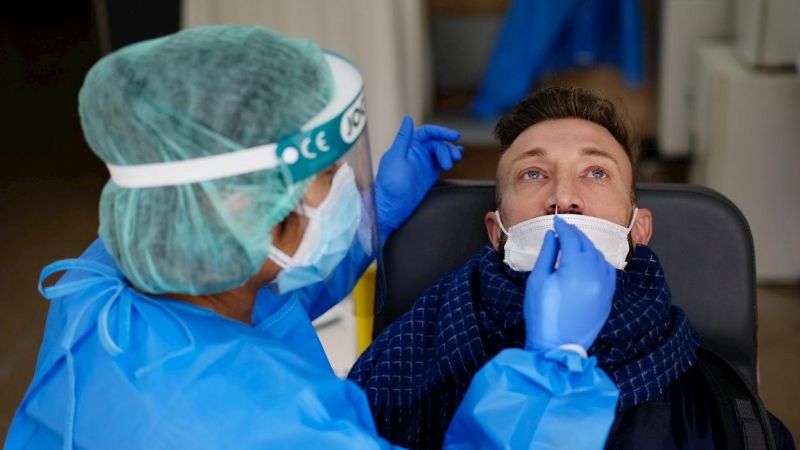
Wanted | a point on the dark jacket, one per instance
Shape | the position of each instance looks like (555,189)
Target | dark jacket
(684,416)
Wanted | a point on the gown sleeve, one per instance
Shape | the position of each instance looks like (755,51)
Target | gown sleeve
(526,400)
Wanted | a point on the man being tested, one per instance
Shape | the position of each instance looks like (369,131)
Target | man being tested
(566,153)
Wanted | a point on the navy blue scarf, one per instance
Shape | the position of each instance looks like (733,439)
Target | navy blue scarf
(417,371)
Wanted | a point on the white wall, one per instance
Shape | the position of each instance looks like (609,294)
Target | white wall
(684,25)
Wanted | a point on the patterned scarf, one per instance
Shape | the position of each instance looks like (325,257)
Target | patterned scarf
(417,371)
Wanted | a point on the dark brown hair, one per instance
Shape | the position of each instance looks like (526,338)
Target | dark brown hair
(558,102)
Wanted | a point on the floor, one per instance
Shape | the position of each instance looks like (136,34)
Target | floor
(337,331)
(50,185)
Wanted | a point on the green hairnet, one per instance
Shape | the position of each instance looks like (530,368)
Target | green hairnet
(200,92)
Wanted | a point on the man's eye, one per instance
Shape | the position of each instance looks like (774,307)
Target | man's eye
(598,173)
(532,175)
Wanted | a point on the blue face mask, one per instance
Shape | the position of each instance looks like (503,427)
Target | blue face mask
(328,237)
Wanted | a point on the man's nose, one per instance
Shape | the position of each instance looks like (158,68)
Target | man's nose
(565,196)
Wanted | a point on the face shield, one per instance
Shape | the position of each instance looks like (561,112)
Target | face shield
(339,234)
(341,237)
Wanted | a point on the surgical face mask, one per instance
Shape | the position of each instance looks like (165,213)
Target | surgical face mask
(328,236)
(525,239)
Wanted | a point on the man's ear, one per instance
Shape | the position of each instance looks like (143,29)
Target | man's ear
(642,229)
(493,229)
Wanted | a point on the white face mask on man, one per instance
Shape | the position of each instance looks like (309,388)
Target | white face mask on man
(525,239)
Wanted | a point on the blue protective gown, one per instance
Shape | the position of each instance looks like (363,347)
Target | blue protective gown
(124,370)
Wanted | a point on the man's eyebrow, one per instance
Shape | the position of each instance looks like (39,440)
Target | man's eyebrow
(532,153)
(592,151)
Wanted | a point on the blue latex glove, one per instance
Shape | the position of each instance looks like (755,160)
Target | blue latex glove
(409,168)
(568,305)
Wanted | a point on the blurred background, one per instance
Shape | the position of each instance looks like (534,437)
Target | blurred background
(711,89)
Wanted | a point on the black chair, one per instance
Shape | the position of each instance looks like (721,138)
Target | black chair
(702,239)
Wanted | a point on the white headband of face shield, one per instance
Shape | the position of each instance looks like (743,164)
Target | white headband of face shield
(525,239)
(328,135)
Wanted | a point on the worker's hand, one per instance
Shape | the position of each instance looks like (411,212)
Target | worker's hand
(568,305)
(409,168)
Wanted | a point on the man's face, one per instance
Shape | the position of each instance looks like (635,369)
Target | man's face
(572,164)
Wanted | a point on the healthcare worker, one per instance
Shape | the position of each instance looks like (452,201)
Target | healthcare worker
(240,207)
